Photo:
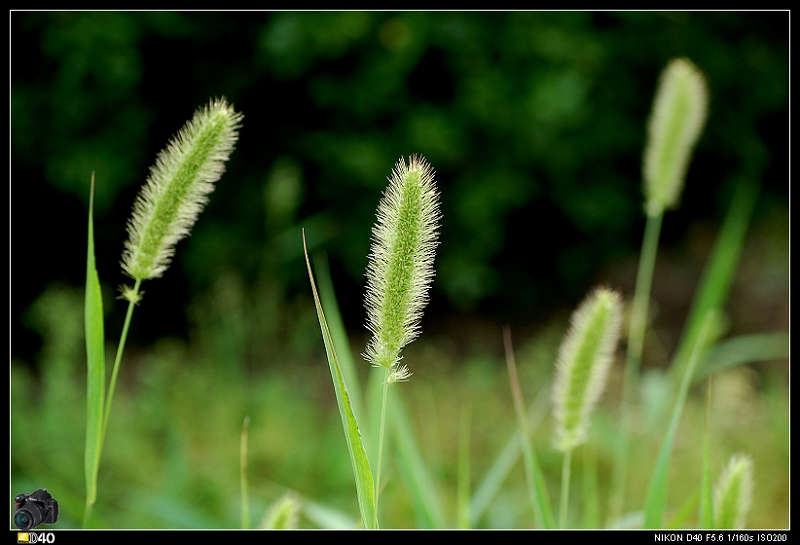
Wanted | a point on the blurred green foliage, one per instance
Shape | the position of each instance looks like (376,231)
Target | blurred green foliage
(533,120)
(172,454)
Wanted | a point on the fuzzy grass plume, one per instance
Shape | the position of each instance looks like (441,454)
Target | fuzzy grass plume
(583,363)
(734,493)
(178,188)
(679,113)
(400,269)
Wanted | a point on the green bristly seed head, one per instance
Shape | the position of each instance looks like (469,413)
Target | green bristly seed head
(733,493)
(178,188)
(284,514)
(400,268)
(676,121)
(583,363)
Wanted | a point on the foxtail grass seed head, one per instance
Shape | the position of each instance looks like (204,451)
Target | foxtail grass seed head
(679,113)
(734,493)
(178,188)
(400,269)
(582,365)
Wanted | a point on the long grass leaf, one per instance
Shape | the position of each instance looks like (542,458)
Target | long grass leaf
(706,516)
(537,489)
(463,483)
(719,272)
(657,490)
(504,462)
(365,484)
(339,334)
(243,474)
(96,368)
(425,499)
(744,349)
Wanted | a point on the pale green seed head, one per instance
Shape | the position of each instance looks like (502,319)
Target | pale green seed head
(734,493)
(679,113)
(284,514)
(178,188)
(400,269)
(582,366)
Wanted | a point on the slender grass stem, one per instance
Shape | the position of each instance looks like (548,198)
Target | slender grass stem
(633,358)
(380,438)
(87,514)
(120,349)
(540,499)
(243,474)
(565,477)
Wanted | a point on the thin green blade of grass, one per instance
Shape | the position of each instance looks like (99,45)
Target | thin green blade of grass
(426,504)
(719,272)
(493,481)
(591,490)
(494,478)
(537,489)
(339,333)
(463,483)
(680,518)
(744,349)
(706,512)
(96,368)
(365,484)
(243,474)
(657,489)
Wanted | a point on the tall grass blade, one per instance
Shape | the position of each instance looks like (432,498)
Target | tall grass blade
(327,295)
(657,490)
(243,474)
(425,499)
(495,477)
(498,472)
(95,366)
(706,515)
(365,484)
(463,483)
(537,488)
(718,276)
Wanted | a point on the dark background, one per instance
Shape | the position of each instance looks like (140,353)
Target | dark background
(534,122)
